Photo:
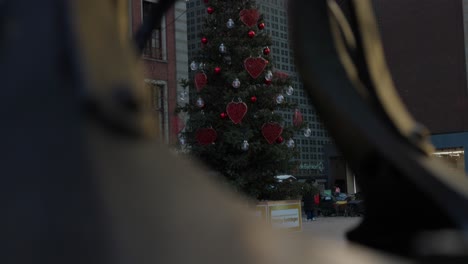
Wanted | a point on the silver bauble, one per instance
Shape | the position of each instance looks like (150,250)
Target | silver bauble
(200,102)
(193,66)
(222,48)
(245,145)
(236,83)
(289,90)
(280,99)
(230,23)
(269,76)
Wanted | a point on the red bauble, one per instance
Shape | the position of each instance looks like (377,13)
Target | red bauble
(210,10)
(261,26)
(279,140)
(204,40)
(217,70)
(267,82)
(266,51)
(253,99)
(251,34)
(223,115)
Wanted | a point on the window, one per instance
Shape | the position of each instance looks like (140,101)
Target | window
(158,103)
(153,48)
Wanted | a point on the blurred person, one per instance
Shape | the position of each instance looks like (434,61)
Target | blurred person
(309,206)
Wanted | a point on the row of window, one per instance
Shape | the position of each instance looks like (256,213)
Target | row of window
(312,156)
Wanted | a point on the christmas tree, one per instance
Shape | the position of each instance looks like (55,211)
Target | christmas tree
(235,123)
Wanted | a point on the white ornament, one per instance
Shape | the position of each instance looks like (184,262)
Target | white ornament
(182,140)
(307,132)
(183,96)
(245,145)
(200,102)
(290,143)
(230,24)
(193,66)
(280,99)
(269,76)
(201,66)
(222,48)
(289,90)
(236,83)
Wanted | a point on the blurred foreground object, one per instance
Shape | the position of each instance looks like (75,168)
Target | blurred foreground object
(343,67)
(82,179)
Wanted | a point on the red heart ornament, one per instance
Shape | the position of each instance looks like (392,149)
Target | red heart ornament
(206,136)
(255,66)
(249,17)
(200,81)
(271,131)
(236,111)
(280,75)
(297,119)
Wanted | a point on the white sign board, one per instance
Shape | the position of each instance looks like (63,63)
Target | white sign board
(289,218)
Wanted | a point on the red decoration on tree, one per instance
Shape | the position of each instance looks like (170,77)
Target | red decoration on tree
(271,131)
(261,25)
(210,10)
(253,99)
(177,124)
(217,70)
(223,115)
(236,111)
(200,81)
(266,51)
(255,66)
(279,140)
(249,17)
(251,34)
(280,75)
(267,82)
(206,136)
(204,40)
(297,119)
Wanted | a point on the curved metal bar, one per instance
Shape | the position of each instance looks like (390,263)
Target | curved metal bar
(379,139)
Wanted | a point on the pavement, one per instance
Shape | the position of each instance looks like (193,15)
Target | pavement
(331,229)
(324,241)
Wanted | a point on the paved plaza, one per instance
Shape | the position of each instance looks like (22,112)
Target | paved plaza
(329,227)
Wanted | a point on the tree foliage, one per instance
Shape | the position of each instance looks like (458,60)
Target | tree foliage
(250,171)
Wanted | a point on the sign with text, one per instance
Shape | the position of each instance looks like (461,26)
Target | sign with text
(285,215)
(318,166)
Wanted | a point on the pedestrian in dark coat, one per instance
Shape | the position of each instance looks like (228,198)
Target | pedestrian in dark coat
(309,206)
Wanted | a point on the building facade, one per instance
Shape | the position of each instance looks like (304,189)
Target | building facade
(165,60)
(426,47)
(312,158)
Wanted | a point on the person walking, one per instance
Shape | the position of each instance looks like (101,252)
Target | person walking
(309,206)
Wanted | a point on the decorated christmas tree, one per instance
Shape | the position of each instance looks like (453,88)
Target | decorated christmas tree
(238,100)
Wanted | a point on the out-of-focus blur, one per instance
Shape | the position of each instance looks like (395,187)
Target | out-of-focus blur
(83,178)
